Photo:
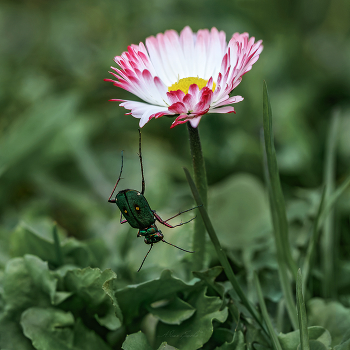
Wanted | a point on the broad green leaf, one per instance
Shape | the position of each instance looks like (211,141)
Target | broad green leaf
(237,343)
(290,341)
(174,312)
(197,330)
(209,277)
(87,283)
(330,315)
(26,239)
(109,320)
(109,288)
(11,334)
(304,336)
(239,211)
(54,329)
(345,343)
(132,298)
(165,346)
(136,341)
(27,282)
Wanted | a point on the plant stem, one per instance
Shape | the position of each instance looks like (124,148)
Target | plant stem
(220,252)
(200,178)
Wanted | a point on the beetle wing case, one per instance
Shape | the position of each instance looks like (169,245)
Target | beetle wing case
(135,208)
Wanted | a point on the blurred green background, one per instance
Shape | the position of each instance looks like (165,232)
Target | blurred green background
(60,138)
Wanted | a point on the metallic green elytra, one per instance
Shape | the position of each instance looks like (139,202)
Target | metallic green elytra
(137,212)
(135,208)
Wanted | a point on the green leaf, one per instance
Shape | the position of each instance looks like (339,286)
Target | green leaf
(345,343)
(209,277)
(110,320)
(237,343)
(54,329)
(239,211)
(26,282)
(173,312)
(304,336)
(197,330)
(136,341)
(26,239)
(330,315)
(87,283)
(109,288)
(132,298)
(290,341)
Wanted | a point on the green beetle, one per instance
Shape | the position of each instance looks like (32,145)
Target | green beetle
(134,207)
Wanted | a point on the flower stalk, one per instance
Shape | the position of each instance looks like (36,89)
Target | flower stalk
(200,179)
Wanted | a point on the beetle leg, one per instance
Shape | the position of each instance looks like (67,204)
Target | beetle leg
(145,257)
(177,247)
(168,225)
(121,219)
(115,186)
(181,212)
(143,178)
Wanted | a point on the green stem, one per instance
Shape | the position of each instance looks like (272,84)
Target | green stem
(220,253)
(200,178)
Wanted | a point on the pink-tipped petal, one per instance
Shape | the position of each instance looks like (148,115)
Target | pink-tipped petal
(148,70)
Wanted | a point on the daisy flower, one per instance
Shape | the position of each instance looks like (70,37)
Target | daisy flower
(186,75)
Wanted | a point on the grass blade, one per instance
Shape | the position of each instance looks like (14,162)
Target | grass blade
(219,251)
(58,250)
(275,342)
(304,335)
(278,209)
(313,241)
(328,238)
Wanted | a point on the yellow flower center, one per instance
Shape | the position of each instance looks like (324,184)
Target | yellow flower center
(184,84)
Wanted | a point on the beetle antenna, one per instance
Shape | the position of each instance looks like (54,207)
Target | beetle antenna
(143,178)
(115,186)
(177,247)
(145,258)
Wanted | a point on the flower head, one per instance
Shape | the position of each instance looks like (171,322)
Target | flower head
(186,75)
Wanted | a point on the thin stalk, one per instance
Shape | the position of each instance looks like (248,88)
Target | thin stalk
(275,342)
(304,335)
(327,243)
(200,178)
(220,253)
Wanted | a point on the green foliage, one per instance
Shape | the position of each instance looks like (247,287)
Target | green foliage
(60,144)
